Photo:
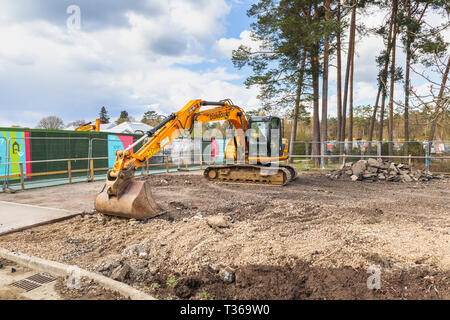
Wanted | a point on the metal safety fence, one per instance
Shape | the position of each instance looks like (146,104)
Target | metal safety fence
(66,160)
(430,156)
(62,160)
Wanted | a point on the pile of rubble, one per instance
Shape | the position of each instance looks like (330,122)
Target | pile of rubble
(375,170)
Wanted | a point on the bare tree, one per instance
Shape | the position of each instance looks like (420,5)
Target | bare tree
(50,123)
(76,123)
(438,99)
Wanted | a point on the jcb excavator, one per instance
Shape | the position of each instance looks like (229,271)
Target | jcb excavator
(255,151)
(89,126)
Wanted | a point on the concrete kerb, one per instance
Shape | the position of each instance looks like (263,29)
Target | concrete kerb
(61,269)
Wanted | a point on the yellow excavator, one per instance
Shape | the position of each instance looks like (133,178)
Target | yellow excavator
(252,154)
(90,127)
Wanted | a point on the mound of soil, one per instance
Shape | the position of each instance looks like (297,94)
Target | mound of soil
(302,281)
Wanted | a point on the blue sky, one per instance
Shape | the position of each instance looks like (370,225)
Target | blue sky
(134,55)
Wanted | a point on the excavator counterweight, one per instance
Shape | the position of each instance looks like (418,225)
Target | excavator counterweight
(255,152)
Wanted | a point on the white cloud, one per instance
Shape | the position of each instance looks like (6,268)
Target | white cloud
(224,47)
(44,70)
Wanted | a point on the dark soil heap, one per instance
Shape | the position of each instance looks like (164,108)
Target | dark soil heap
(379,170)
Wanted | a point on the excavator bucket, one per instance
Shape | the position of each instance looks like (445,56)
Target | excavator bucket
(134,201)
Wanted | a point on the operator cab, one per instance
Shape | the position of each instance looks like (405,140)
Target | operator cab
(265,132)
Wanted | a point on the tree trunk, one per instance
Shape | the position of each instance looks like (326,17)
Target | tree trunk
(339,76)
(297,106)
(382,108)
(347,74)
(326,48)
(374,117)
(407,86)
(381,85)
(316,123)
(438,105)
(350,112)
(315,77)
(392,81)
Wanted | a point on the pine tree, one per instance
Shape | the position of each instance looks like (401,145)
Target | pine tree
(104,118)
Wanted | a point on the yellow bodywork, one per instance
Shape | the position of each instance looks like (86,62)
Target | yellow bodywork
(89,127)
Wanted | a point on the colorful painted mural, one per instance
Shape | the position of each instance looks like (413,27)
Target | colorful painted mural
(217,150)
(19,151)
(116,142)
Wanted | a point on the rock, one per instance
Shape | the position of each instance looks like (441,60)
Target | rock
(374,163)
(107,266)
(406,178)
(359,167)
(153,270)
(143,255)
(120,272)
(346,165)
(217,222)
(199,216)
(372,169)
(392,167)
(227,274)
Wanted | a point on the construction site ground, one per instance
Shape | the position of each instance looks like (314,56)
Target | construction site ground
(315,238)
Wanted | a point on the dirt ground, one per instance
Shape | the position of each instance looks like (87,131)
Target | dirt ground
(312,239)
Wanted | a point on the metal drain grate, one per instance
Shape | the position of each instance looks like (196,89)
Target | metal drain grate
(26,285)
(41,278)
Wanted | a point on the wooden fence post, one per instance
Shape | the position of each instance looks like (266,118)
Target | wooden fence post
(148,167)
(92,170)
(69,169)
(167,164)
(22,180)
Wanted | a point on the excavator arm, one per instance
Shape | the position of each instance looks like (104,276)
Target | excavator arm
(177,124)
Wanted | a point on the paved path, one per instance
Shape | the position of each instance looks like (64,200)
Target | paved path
(39,291)
(16,217)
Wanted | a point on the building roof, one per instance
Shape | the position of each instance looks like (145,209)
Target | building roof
(128,127)
(125,127)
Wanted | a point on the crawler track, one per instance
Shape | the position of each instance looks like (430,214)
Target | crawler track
(251,174)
